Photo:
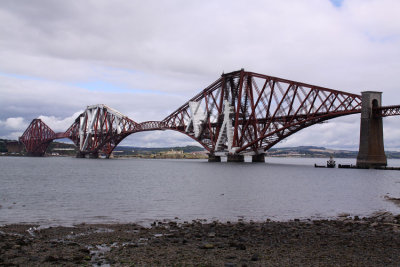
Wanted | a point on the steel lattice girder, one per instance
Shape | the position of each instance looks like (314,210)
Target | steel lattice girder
(387,111)
(100,128)
(73,131)
(262,109)
(107,139)
(150,126)
(240,112)
(37,137)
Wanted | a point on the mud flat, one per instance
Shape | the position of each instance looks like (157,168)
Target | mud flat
(346,241)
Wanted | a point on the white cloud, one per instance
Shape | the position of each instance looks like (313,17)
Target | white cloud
(339,133)
(13,123)
(158,139)
(12,135)
(59,124)
(12,128)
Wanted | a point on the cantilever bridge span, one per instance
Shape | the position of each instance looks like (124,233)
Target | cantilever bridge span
(241,113)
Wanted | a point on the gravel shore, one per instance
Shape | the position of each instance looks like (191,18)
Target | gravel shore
(346,241)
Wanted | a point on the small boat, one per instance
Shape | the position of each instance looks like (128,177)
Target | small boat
(330,163)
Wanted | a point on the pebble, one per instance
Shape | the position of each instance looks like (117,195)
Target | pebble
(255,257)
(241,247)
(207,246)
(234,244)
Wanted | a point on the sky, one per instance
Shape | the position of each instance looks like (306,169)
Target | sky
(147,58)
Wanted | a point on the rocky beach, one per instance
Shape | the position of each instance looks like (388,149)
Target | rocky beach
(345,241)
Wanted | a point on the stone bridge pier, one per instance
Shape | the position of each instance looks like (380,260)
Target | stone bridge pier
(371,152)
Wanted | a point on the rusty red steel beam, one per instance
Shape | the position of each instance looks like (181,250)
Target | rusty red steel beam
(105,137)
(151,126)
(386,111)
(73,131)
(61,136)
(285,131)
(279,108)
(263,111)
(37,137)
(245,122)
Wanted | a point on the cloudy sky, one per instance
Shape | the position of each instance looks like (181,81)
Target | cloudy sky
(146,58)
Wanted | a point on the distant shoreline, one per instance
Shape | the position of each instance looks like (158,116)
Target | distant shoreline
(68,149)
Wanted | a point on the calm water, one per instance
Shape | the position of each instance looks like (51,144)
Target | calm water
(68,190)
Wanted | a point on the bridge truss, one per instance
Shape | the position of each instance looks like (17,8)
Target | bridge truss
(245,112)
(387,111)
(100,129)
(240,113)
(37,137)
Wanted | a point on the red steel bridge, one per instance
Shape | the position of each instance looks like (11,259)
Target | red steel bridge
(241,113)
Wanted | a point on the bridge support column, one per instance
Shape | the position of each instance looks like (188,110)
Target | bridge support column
(235,158)
(371,152)
(258,158)
(213,158)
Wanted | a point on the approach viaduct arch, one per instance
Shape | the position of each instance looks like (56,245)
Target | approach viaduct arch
(240,113)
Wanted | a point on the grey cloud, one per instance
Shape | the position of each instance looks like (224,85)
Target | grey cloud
(162,53)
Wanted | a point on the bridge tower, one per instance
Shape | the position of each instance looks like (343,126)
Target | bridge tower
(371,152)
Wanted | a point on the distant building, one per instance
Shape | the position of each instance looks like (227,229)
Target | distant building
(173,152)
(14,147)
(63,149)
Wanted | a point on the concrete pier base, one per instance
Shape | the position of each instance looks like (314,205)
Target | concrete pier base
(94,155)
(81,155)
(235,158)
(258,158)
(35,154)
(213,158)
(371,153)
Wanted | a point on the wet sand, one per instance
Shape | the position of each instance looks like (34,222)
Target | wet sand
(346,241)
